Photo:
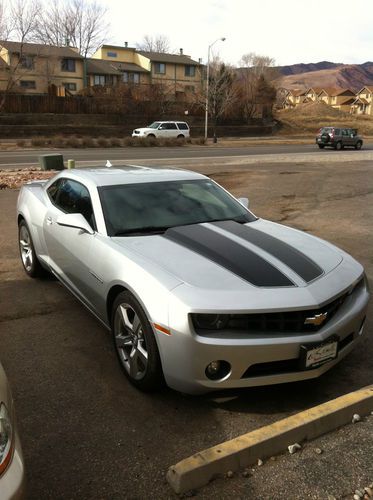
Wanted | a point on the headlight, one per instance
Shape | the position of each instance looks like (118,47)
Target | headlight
(6,438)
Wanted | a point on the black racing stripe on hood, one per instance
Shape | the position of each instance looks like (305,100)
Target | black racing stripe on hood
(227,253)
(293,258)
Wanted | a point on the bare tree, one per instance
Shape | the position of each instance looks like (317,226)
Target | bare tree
(80,23)
(222,93)
(157,43)
(6,22)
(24,15)
(252,68)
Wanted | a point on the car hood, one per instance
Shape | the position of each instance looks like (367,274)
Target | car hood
(231,256)
(145,129)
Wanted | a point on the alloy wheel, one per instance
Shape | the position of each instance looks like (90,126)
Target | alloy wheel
(130,341)
(25,246)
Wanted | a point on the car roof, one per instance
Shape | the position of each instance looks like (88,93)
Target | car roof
(128,174)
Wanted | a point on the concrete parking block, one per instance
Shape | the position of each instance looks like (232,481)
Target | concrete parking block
(197,470)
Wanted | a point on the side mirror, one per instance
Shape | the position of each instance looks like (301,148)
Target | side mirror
(244,202)
(75,220)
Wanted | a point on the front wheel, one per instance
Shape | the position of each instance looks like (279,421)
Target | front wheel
(151,136)
(321,146)
(358,145)
(338,146)
(135,343)
(29,259)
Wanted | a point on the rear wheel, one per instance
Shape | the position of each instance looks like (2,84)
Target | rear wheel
(358,145)
(338,146)
(135,343)
(29,259)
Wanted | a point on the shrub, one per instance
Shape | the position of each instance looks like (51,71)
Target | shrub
(129,141)
(73,142)
(115,142)
(58,141)
(102,142)
(88,142)
(21,143)
(37,141)
(199,141)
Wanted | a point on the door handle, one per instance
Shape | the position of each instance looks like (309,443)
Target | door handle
(49,220)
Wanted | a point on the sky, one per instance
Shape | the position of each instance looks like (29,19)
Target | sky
(290,31)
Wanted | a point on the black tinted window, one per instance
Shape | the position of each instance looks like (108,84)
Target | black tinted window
(183,126)
(73,198)
(337,131)
(53,190)
(170,126)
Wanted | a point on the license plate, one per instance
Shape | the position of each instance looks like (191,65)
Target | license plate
(315,356)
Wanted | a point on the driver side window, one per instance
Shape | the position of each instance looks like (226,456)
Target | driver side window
(72,197)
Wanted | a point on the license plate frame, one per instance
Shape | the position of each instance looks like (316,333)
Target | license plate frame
(317,354)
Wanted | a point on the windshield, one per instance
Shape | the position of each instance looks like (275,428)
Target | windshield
(154,125)
(153,207)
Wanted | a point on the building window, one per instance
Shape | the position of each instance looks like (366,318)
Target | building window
(69,86)
(27,62)
(68,65)
(190,70)
(111,54)
(159,68)
(99,80)
(131,77)
(28,84)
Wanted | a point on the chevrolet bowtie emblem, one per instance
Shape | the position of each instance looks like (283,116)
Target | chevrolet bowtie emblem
(316,320)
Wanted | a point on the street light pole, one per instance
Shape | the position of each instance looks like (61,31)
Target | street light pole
(207,86)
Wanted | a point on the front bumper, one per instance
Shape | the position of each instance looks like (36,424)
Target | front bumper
(12,482)
(256,360)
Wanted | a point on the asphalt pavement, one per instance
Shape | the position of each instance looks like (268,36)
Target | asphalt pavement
(87,433)
(87,157)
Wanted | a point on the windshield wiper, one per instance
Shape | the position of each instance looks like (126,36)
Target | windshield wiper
(141,230)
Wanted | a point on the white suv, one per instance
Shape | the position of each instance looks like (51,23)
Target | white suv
(180,130)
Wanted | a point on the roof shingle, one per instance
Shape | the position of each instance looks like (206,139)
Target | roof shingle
(37,49)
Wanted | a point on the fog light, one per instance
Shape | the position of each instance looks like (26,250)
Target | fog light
(213,367)
(217,370)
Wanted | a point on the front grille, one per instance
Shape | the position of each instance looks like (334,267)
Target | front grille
(285,322)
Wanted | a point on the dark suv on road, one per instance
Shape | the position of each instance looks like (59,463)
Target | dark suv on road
(338,138)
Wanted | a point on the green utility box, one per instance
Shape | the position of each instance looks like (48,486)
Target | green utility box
(51,162)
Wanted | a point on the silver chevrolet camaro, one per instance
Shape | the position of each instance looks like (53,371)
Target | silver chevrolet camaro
(196,290)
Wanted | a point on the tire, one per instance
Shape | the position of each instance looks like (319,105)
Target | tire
(181,136)
(152,136)
(338,146)
(358,145)
(321,146)
(135,343)
(30,262)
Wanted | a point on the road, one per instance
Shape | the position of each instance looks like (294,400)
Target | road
(87,433)
(93,157)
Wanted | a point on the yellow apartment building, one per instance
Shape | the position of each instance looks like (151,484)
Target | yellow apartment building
(32,68)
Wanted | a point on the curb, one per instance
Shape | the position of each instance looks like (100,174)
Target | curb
(243,451)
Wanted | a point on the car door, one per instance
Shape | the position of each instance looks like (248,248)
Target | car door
(172,130)
(70,249)
(162,130)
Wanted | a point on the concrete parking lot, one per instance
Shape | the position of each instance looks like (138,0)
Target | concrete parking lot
(86,432)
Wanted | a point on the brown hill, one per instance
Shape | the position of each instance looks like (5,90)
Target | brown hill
(353,76)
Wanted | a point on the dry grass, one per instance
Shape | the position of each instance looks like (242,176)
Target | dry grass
(311,117)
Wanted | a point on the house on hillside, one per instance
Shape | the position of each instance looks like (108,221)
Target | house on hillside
(299,97)
(33,68)
(178,73)
(312,94)
(337,98)
(363,104)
